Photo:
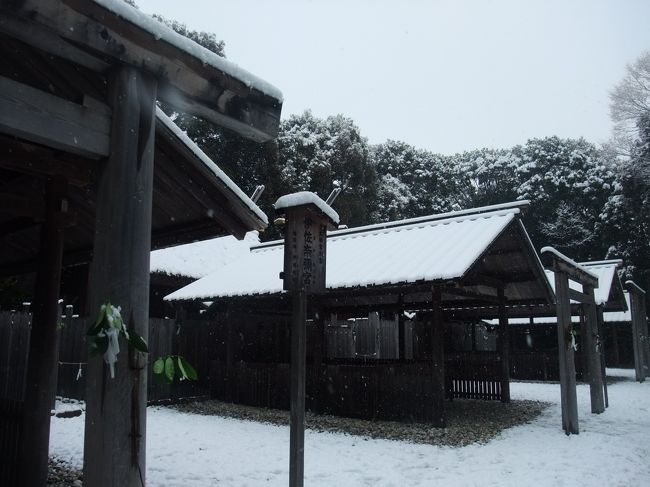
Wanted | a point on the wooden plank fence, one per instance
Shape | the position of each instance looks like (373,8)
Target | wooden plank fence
(14,343)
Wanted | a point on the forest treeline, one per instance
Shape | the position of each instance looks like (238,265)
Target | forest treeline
(589,201)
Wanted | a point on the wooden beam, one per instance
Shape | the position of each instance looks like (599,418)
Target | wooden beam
(438,360)
(568,393)
(187,82)
(39,117)
(603,347)
(40,382)
(504,347)
(592,349)
(583,298)
(558,262)
(115,434)
(35,160)
(637,296)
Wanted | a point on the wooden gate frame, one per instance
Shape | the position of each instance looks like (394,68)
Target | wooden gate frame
(566,269)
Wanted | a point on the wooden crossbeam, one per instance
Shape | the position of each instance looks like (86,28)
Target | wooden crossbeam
(185,81)
(580,297)
(557,262)
(40,117)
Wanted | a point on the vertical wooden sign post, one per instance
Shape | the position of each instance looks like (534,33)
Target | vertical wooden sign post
(307,219)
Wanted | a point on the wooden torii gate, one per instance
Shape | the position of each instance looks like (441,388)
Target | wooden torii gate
(566,269)
(640,343)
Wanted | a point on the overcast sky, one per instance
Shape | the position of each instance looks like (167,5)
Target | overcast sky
(442,75)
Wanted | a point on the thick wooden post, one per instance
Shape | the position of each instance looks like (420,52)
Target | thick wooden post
(639,325)
(504,347)
(603,369)
(43,355)
(591,349)
(114,444)
(305,250)
(582,351)
(566,356)
(297,428)
(438,359)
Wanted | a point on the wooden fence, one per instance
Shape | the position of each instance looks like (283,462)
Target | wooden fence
(14,343)
(387,390)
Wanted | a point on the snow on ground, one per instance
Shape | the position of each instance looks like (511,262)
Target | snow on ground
(612,449)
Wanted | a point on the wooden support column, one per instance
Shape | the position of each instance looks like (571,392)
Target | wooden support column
(566,356)
(115,434)
(438,359)
(591,348)
(43,356)
(297,429)
(583,352)
(639,339)
(504,346)
(401,330)
(305,246)
(603,369)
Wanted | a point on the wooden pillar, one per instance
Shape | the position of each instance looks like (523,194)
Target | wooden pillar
(230,353)
(114,444)
(307,219)
(504,347)
(645,339)
(603,343)
(566,356)
(438,359)
(297,428)
(591,349)
(43,355)
(401,330)
(636,311)
(582,352)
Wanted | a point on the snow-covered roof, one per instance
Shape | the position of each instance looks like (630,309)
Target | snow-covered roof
(442,247)
(306,198)
(165,34)
(210,165)
(198,259)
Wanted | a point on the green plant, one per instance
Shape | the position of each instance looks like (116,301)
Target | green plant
(106,332)
(173,367)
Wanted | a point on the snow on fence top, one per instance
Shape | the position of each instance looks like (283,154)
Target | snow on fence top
(163,33)
(198,259)
(437,249)
(209,164)
(306,198)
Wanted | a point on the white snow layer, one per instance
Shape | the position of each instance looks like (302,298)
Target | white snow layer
(161,32)
(306,198)
(423,251)
(198,259)
(187,449)
(209,164)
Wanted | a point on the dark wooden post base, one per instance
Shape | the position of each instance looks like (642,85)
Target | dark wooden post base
(43,356)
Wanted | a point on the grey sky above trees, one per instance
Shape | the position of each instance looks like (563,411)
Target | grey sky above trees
(446,76)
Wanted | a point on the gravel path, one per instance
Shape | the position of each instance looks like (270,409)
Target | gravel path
(468,421)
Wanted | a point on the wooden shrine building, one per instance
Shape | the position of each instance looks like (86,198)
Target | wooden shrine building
(438,267)
(91,171)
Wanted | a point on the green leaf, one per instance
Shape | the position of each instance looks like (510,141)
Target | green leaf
(159,366)
(169,369)
(137,342)
(186,369)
